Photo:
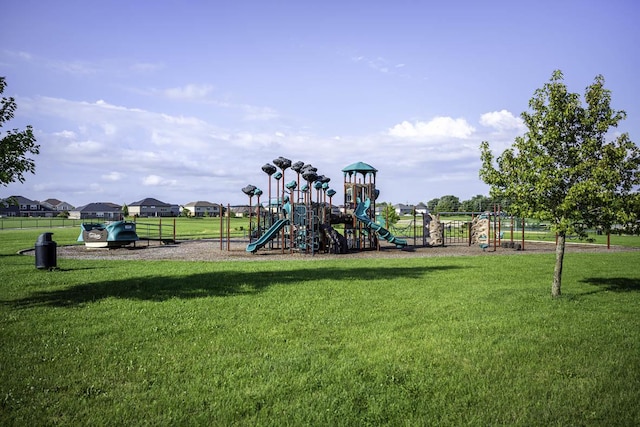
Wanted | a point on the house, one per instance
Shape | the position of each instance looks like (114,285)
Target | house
(202,208)
(403,209)
(421,208)
(175,210)
(57,205)
(103,211)
(239,211)
(21,206)
(151,207)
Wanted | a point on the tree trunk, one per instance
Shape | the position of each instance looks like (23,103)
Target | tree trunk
(557,271)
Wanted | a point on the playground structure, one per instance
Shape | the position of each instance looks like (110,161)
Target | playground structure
(301,216)
(485,230)
(108,235)
(299,220)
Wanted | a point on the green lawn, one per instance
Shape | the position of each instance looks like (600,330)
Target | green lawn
(433,341)
(185,228)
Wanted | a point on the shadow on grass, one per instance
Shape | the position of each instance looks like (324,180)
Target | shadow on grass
(614,284)
(217,284)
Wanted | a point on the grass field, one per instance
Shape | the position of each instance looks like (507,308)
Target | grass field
(185,228)
(433,341)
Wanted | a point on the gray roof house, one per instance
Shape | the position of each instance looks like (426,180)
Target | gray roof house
(104,211)
(402,209)
(57,205)
(152,207)
(421,208)
(202,208)
(21,206)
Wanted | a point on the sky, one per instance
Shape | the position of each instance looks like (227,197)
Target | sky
(186,100)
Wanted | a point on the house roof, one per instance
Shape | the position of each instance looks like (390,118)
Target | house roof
(201,203)
(23,200)
(99,207)
(52,202)
(149,201)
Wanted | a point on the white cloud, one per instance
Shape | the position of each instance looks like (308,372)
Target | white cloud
(109,128)
(502,120)
(83,148)
(113,176)
(156,180)
(190,91)
(438,127)
(253,113)
(378,64)
(180,158)
(66,134)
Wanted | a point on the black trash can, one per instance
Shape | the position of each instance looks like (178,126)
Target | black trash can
(46,256)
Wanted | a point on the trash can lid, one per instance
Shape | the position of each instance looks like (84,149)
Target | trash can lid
(44,237)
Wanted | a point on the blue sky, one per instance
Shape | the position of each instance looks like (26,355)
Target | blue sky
(186,100)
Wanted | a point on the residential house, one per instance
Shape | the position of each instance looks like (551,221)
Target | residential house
(202,208)
(239,211)
(101,211)
(151,207)
(175,210)
(21,206)
(421,208)
(57,205)
(403,209)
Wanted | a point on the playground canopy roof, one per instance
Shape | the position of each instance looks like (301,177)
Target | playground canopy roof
(361,167)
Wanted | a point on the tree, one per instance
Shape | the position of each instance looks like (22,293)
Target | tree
(477,203)
(389,214)
(15,146)
(448,203)
(125,210)
(563,170)
(431,204)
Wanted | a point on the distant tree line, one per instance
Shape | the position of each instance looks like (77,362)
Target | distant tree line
(451,203)
(477,203)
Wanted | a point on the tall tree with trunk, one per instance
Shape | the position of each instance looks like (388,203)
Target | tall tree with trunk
(389,214)
(15,145)
(565,170)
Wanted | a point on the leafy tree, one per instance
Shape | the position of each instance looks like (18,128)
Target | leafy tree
(431,204)
(15,145)
(448,203)
(125,210)
(477,203)
(389,214)
(563,170)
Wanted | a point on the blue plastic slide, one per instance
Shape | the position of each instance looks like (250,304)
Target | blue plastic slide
(268,235)
(361,214)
